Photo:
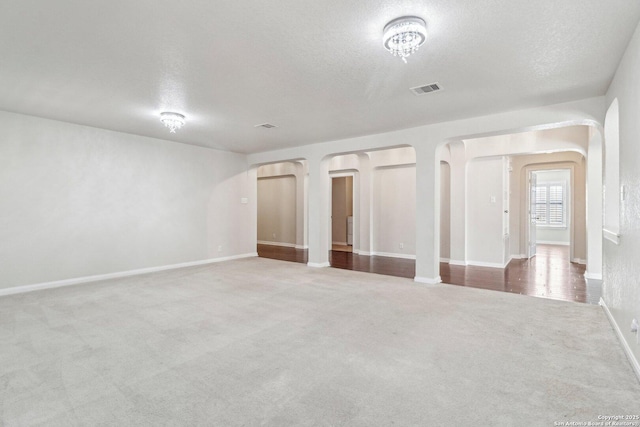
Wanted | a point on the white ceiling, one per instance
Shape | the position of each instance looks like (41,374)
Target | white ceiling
(316,69)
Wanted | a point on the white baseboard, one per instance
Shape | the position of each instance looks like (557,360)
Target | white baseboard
(428,280)
(267,242)
(394,255)
(590,276)
(625,345)
(120,274)
(457,262)
(579,261)
(302,247)
(363,253)
(339,243)
(519,256)
(611,235)
(486,264)
(446,260)
(318,264)
(551,242)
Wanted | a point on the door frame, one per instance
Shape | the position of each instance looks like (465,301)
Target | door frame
(356,206)
(524,215)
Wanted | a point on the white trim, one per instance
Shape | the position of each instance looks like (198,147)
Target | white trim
(395,166)
(519,256)
(318,264)
(341,173)
(363,253)
(611,235)
(444,260)
(339,243)
(457,262)
(301,247)
(579,261)
(625,345)
(394,255)
(270,243)
(551,242)
(590,276)
(427,280)
(486,264)
(99,277)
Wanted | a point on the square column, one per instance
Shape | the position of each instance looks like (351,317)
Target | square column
(427,215)
(319,216)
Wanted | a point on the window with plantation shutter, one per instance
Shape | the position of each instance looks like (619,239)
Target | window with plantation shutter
(550,205)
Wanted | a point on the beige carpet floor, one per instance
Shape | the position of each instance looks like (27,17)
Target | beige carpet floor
(265,342)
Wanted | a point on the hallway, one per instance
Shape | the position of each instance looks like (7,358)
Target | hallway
(547,275)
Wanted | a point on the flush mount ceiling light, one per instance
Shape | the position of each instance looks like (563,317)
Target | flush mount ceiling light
(404,35)
(172,120)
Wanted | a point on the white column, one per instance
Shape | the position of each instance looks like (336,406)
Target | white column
(594,207)
(319,216)
(306,205)
(300,205)
(252,201)
(364,204)
(427,215)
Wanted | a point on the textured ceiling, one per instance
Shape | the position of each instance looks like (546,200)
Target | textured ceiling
(316,69)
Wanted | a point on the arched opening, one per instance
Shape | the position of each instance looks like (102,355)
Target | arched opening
(488,209)
(281,211)
(383,220)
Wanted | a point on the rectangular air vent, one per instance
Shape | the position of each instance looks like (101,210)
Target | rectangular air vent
(266,126)
(421,90)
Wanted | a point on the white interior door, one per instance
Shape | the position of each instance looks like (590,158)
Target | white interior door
(532,214)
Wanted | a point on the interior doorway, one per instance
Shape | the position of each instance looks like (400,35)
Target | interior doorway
(282,214)
(342,213)
(553,210)
(550,213)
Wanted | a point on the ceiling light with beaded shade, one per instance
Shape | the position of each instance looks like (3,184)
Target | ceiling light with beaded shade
(403,36)
(173,121)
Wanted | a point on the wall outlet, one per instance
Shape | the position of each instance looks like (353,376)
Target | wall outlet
(220,248)
(401,245)
(634,325)
(244,200)
(273,235)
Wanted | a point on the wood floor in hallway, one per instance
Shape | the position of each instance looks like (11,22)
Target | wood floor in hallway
(549,274)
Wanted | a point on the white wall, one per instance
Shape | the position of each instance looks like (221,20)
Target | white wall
(77,201)
(394,210)
(277,210)
(621,287)
(485,234)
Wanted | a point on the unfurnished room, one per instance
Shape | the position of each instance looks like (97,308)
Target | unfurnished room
(319,213)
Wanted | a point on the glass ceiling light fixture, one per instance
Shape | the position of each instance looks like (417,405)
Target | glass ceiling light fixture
(172,120)
(404,35)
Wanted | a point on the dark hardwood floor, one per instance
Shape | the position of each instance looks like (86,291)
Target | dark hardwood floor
(398,267)
(283,253)
(547,275)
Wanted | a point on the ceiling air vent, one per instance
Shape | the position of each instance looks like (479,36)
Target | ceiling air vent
(266,126)
(421,90)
